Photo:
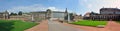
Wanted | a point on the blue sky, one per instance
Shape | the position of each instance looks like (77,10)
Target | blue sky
(76,6)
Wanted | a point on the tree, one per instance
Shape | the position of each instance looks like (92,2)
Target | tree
(71,16)
(20,13)
(49,11)
(93,13)
(80,15)
(13,13)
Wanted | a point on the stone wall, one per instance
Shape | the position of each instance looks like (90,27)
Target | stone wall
(24,18)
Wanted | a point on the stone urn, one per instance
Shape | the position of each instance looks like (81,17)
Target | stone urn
(100,26)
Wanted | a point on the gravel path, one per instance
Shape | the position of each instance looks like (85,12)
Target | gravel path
(56,26)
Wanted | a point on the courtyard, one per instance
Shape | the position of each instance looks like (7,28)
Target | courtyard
(45,25)
(58,26)
(59,15)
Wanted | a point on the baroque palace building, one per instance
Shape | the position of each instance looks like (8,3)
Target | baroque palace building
(105,14)
(36,15)
(42,15)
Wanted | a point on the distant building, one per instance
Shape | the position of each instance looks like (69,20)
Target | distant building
(87,15)
(4,15)
(110,11)
(40,15)
(77,17)
(106,14)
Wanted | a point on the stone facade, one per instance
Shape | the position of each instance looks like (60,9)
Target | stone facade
(4,15)
(48,14)
(105,14)
(36,16)
(110,11)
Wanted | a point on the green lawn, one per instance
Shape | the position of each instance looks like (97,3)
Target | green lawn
(15,25)
(90,23)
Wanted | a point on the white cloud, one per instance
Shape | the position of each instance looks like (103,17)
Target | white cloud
(85,0)
(106,4)
(89,5)
(55,9)
(95,5)
(52,8)
(111,3)
(62,10)
(35,7)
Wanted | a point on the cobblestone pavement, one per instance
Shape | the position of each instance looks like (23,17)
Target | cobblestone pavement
(56,26)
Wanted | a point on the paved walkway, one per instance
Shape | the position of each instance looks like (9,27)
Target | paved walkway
(113,26)
(56,26)
(52,26)
(43,26)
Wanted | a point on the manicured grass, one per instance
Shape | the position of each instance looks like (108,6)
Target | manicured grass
(15,25)
(90,23)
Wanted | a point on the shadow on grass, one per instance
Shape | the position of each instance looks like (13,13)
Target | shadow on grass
(6,26)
